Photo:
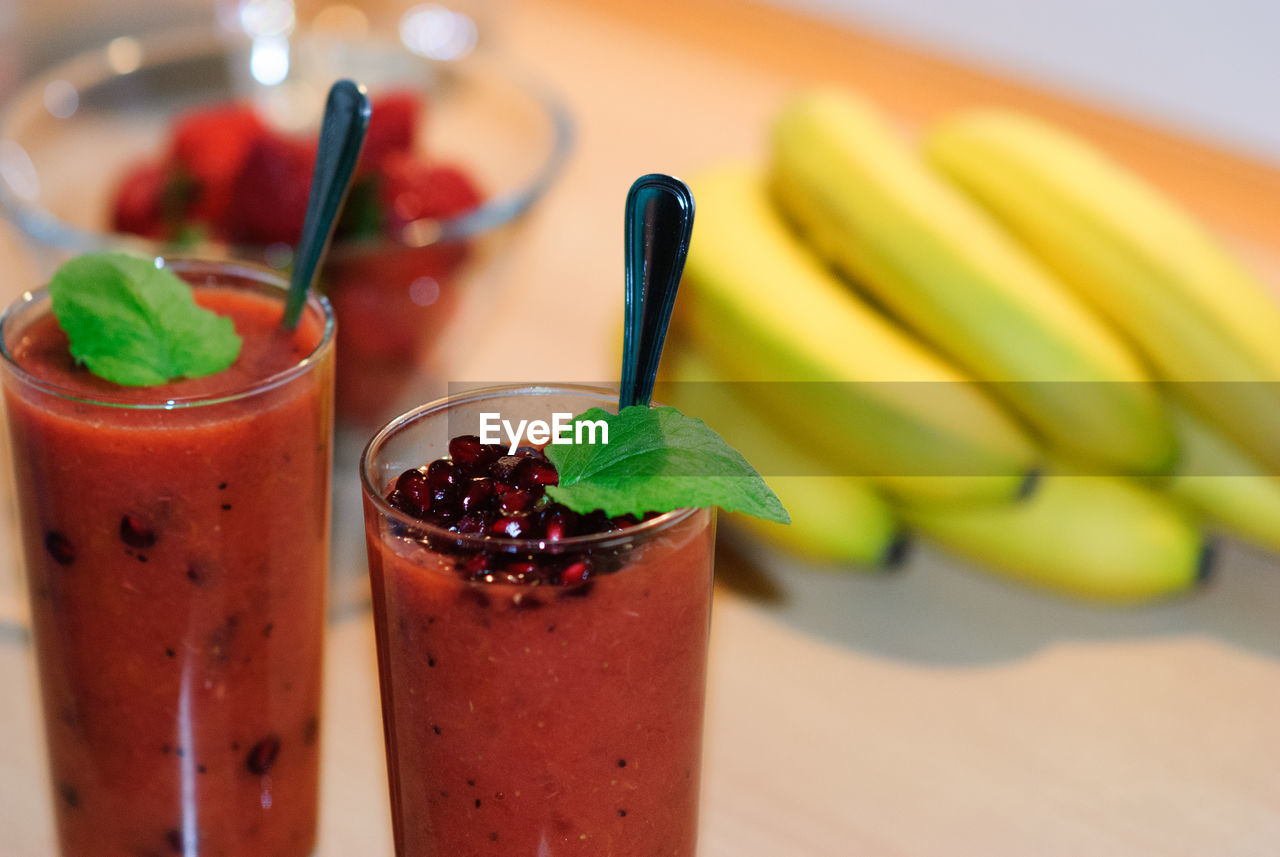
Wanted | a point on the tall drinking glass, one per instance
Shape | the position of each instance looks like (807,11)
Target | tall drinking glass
(176,543)
(535,719)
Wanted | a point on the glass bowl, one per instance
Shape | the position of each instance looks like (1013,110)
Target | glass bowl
(68,137)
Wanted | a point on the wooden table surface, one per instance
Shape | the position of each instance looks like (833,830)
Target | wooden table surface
(930,711)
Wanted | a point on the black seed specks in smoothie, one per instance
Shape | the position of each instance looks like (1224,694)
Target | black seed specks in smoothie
(263,755)
(136,532)
(70,794)
(59,547)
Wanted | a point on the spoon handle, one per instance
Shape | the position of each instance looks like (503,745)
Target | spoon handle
(659,222)
(346,119)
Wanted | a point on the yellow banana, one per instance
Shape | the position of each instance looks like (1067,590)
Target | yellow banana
(1196,315)
(856,391)
(940,264)
(839,519)
(1224,485)
(1098,538)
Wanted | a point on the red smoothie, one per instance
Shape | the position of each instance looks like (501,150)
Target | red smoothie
(543,696)
(176,561)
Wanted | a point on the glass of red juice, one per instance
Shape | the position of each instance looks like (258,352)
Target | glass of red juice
(541,695)
(176,545)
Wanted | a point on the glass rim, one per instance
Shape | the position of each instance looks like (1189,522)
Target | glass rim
(653,526)
(91,67)
(247,270)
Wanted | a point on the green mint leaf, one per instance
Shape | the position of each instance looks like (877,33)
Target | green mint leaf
(138,325)
(656,460)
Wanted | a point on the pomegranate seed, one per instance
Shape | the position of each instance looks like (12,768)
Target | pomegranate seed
(517,501)
(477,495)
(574,573)
(466,449)
(476,563)
(509,527)
(536,471)
(505,467)
(624,521)
(414,493)
(558,526)
(441,474)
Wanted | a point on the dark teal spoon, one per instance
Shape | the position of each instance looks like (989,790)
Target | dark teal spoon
(346,119)
(659,223)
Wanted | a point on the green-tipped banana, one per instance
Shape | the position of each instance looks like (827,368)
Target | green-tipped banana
(840,519)
(1194,312)
(850,386)
(1224,485)
(939,263)
(1097,538)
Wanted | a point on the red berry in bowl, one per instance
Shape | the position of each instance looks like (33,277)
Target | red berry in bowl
(269,197)
(412,189)
(138,207)
(210,146)
(393,125)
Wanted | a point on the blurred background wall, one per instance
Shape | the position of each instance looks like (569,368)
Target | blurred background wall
(1206,67)
(1210,68)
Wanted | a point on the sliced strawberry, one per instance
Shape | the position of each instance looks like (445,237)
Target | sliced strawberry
(138,202)
(412,189)
(269,196)
(393,125)
(210,145)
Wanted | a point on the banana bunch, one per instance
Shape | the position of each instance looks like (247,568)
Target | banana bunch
(935,330)
(835,518)
(1208,327)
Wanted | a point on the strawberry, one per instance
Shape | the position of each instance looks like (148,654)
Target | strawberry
(393,125)
(210,145)
(268,200)
(412,189)
(138,202)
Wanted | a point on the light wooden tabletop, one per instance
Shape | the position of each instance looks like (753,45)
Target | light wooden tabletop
(930,711)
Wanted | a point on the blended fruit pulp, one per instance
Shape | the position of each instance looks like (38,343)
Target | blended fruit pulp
(176,566)
(548,719)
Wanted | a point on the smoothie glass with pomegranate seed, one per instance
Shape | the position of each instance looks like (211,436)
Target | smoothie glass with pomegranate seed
(542,688)
(176,544)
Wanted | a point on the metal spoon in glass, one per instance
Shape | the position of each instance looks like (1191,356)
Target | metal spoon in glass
(659,223)
(342,131)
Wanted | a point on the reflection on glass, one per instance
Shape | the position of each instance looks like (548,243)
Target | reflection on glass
(61,99)
(437,32)
(124,54)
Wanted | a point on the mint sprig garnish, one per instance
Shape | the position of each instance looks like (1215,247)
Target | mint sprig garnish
(138,325)
(657,460)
